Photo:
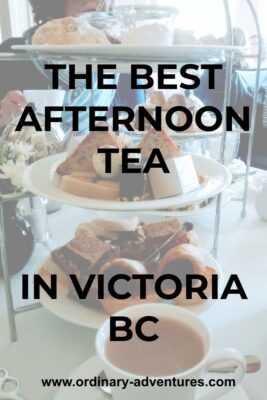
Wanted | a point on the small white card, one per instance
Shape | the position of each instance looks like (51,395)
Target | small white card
(182,178)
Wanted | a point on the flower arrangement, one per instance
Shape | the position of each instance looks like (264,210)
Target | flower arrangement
(14,158)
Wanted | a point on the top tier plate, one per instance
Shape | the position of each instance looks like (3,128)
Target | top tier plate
(122,53)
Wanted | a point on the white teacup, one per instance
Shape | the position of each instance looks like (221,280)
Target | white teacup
(45,98)
(197,372)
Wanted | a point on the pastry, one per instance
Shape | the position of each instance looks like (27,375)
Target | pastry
(67,31)
(159,140)
(151,109)
(183,300)
(149,35)
(179,118)
(81,158)
(184,237)
(158,232)
(63,281)
(148,238)
(122,266)
(101,190)
(85,230)
(158,98)
(133,245)
(183,260)
(193,104)
(126,267)
(83,254)
(91,299)
(108,248)
(135,249)
(176,100)
(99,163)
(89,229)
(90,176)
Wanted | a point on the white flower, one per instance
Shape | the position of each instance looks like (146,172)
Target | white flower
(21,158)
(17,151)
(22,150)
(14,172)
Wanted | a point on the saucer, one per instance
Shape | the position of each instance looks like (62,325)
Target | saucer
(92,368)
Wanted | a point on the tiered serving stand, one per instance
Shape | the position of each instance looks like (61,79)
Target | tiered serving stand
(178,55)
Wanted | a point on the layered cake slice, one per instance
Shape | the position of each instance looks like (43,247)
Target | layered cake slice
(83,254)
(159,140)
(81,159)
(158,232)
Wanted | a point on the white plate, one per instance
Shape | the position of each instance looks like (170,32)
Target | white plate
(40,179)
(176,53)
(76,313)
(92,368)
(208,208)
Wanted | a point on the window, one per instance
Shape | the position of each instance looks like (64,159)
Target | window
(5,25)
(20,21)
(201,16)
(21,16)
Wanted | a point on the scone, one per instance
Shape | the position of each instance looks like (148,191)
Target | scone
(186,259)
(50,268)
(68,30)
(127,267)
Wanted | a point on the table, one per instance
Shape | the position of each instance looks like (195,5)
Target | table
(49,347)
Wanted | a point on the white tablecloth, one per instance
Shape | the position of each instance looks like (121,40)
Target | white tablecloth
(49,347)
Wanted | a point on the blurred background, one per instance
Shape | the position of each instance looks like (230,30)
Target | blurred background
(200,19)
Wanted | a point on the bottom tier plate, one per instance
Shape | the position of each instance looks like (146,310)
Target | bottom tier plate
(72,311)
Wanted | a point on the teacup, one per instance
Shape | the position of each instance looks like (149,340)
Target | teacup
(194,373)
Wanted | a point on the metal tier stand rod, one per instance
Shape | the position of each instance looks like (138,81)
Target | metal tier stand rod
(254,108)
(229,68)
(11,310)
(228,79)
